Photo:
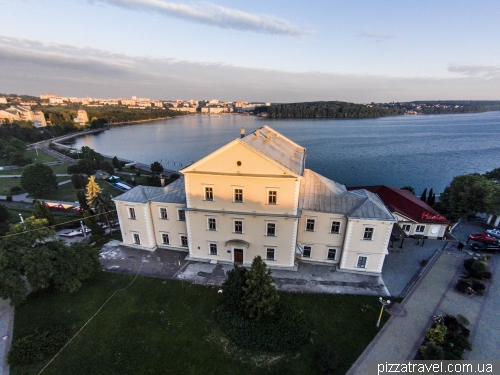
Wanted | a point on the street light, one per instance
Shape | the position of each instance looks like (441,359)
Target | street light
(384,303)
(21,218)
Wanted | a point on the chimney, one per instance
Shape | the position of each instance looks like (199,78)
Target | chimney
(162,182)
(242,132)
(257,133)
(269,135)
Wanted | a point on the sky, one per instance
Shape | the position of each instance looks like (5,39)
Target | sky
(278,51)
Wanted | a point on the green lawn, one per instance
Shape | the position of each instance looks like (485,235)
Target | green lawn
(167,327)
(67,193)
(41,157)
(60,217)
(7,183)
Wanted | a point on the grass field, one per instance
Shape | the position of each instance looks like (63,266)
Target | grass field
(60,217)
(41,157)
(159,326)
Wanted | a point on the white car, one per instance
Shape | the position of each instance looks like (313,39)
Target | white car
(494,232)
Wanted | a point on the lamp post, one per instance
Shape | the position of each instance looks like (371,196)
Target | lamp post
(83,229)
(384,303)
(21,218)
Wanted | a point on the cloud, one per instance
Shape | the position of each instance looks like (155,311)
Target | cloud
(370,34)
(214,15)
(33,67)
(486,71)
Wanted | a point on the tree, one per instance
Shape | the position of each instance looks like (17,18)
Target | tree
(41,211)
(260,295)
(493,174)
(82,200)
(93,190)
(83,166)
(4,219)
(157,168)
(432,199)
(116,163)
(409,188)
(423,197)
(232,290)
(32,254)
(467,195)
(107,167)
(79,181)
(38,178)
(105,207)
(91,222)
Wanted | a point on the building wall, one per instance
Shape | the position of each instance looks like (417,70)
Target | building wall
(171,226)
(374,250)
(431,230)
(321,239)
(254,232)
(141,225)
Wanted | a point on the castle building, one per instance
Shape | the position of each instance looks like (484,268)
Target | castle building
(254,196)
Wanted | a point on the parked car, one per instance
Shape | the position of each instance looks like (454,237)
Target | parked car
(483,237)
(494,232)
(483,246)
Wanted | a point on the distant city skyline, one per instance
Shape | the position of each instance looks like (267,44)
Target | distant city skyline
(252,51)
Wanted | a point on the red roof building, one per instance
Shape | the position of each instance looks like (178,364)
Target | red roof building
(415,217)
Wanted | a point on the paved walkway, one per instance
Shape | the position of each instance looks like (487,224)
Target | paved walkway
(6,328)
(402,335)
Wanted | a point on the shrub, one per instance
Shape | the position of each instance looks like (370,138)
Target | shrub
(486,275)
(463,320)
(327,360)
(138,173)
(432,351)
(8,198)
(232,290)
(286,329)
(436,335)
(478,285)
(15,190)
(468,263)
(477,269)
(462,285)
(37,346)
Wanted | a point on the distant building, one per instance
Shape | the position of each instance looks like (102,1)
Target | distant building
(3,100)
(129,102)
(82,117)
(6,116)
(39,119)
(47,96)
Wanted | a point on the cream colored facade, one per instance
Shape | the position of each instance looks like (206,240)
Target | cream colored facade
(253,197)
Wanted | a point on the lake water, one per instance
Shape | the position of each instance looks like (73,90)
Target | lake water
(420,151)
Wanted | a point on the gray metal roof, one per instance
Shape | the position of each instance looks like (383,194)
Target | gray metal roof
(320,194)
(172,193)
(278,147)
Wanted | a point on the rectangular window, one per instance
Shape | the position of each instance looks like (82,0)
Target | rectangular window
(307,252)
(238,226)
(310,225)
(272,198)
(335,227)
(164,238)
(212,225)
(271,229)
(184,241)
(238,195)
(131,213)
(406,227)
(163,213)
(137,239)
(368,235)
(213,249)
(332,254)
(420,229)
(209,193)
(362,262)
(270,253)
(182,215)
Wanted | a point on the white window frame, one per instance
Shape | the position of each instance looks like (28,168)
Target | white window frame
(304,251)
(161,214)
(275,228)
(274,252)
(365,261)
(131,213)
(180,240)
(366,230)
(163,238)
(137,240)
(205,187)
(314,224)
(210,244)
(234,226)
(242,194)
(420,231)
(209,218)
(328,252)
(406,230)
(269,191)
(331,226)
(179,210)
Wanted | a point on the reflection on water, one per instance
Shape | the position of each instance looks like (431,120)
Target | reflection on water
(421,151)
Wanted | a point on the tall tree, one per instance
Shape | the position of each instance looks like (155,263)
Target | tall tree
(91,222)
(105,207)
(424,195)
(157,168)
(409,188)
(93,190)
(41,211)
(468,194)
(260,295)
(116,163)
(38,178)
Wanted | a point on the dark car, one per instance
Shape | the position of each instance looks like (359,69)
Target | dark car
(487,247)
